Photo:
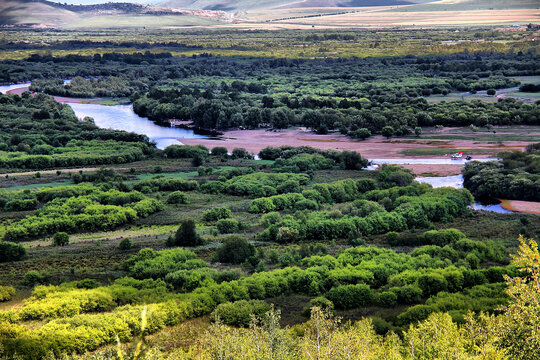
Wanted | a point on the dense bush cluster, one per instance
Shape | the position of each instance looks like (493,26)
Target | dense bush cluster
(239,313)
(516,177)
(366,102)
(409,207)
(10,251)
(264,184)
(81,208)
(40,133)
(6,292)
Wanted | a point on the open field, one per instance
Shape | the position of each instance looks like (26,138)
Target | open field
(377,18)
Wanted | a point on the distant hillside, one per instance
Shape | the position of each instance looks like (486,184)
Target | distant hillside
(240,5)
(464,5)
(107,15)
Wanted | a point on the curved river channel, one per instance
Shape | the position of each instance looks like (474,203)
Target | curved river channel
(122,117)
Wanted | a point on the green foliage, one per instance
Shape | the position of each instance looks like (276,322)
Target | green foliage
(215,214)
(393,175)
(442,237)
(350,296)
(239,313)
(33,277)
(234,250)
(387,131)
(10,251)
(177,197)
(186,151)
(261,184)
(82,208)
(219,151)
(186,235)
(60,239)
(6,292)
(353,161)
(157,264)
(227,226)
(517,178)
(125,244)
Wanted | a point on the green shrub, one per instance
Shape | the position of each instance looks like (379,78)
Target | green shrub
(219,151)
(352,160)
(364,185)
(186,235)
(442,237)
(10,251)
(239,313)
(125,244)
(6,292)
(32,278)
(60,239)
(215,214)
(240,153)
(387,299)
(185,151)
(235,250)
(177,197)
(227,226)
(270,218)
(392,238)
(350,296)
(321,302)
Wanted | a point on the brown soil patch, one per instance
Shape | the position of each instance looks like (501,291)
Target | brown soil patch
(434,169)
(373,148)
(530,207)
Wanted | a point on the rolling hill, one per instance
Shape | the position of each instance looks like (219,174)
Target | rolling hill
(242,5)
(106,15)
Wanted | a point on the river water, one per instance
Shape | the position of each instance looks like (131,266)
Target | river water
(122,117)
(456,181)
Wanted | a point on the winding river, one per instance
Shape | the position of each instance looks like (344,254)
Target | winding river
(122,117)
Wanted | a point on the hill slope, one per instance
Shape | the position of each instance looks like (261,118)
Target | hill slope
(107,15)
(240,5)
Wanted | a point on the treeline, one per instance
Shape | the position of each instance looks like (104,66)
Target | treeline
(515,177)
(358,118)
(111,86)
(39,133)
(356,96)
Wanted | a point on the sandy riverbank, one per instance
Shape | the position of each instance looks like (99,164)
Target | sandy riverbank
(374,147)
(19,91)
(530,207)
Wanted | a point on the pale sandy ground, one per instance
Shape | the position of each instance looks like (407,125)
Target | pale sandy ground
(424,18)
(530,207)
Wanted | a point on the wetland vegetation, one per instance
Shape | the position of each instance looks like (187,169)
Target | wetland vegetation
(113,248)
